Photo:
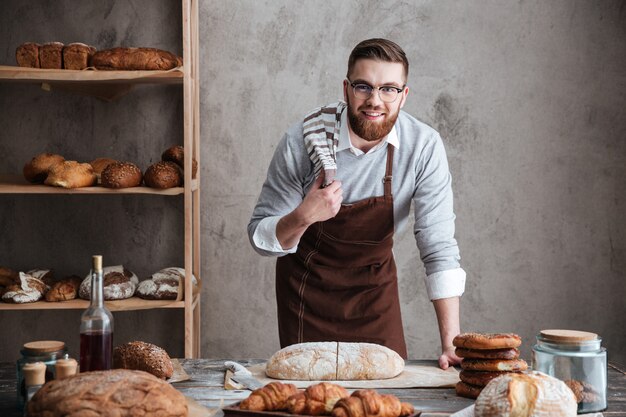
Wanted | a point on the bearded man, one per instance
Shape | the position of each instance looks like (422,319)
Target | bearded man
(340,184)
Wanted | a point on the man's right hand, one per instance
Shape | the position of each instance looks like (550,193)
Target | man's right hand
(319,204)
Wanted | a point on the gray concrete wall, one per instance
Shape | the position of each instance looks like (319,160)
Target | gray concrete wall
(529,97)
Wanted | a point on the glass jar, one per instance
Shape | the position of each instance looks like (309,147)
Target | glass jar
(46,351)
(578,359)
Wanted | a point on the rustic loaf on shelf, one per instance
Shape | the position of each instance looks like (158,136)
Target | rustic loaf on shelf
(70,174)
(64,290)
(324,361)
(51,55)
(28,289)
(36,170)
(163,284)
(119,284)
(77,55)
(146,59)
(118,392)
(27,55)
(143,356)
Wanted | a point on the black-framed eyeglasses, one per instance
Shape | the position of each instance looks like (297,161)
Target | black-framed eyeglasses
(387,93)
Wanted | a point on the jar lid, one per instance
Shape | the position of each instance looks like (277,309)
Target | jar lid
(44,346)
(567,336)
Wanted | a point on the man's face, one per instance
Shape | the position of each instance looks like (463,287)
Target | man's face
(372,118)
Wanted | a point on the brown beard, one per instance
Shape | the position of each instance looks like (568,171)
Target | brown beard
(367,130)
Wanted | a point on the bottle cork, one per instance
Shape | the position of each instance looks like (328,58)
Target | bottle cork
(97,262)
(34,373)
(65,367)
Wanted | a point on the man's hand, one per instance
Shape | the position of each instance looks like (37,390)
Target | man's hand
(319,204)
(448,358)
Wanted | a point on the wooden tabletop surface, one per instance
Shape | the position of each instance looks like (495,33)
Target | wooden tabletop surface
(207,379)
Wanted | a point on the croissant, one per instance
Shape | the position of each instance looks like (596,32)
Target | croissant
(369,403)
(317,399)
(270,397)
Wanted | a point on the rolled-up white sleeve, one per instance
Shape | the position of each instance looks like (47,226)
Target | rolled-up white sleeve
(265,237)
(445,284)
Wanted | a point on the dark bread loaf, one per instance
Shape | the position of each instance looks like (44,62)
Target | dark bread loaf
(121,175)
(147,59)
(176,154)
(37,169)
(27,55)
(143,356)
(71,174)
(63,290)
(118,392)
(76,56)
(51,55)
(163,175)
(119,284)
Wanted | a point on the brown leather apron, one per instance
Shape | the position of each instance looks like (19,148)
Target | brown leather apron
(341,284)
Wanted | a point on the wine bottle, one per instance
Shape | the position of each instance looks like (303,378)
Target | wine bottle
(96,326)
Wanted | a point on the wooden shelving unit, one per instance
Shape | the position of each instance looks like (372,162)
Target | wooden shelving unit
(109,85)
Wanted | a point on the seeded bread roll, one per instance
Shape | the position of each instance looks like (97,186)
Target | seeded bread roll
(147,59)
(27,55)
(176,154)
(71,174)
(76,55)
(36,170)
(118,392)
(163,175)
(334,361)
(98,166)
(143,356)
(121,175)
(51,55)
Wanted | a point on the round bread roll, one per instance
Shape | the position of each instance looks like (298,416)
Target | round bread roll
(176,154)
(494,364)
(118,392)
(163,175)
(71,174)
(531,394)
(466,390)
(479,378)
(121,175)
(487,340)
(98,166)
(36,170)
(511,353)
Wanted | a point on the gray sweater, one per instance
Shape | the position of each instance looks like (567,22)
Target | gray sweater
(420,176)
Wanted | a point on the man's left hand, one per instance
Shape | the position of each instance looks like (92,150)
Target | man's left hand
(448,358)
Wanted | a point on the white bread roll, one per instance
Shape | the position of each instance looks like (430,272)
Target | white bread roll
(331,361)
(531,394)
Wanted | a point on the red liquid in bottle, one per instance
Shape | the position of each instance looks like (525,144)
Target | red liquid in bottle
(96,350)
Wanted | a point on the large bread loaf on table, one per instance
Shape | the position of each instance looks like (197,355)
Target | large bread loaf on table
(328,361)
(116,393)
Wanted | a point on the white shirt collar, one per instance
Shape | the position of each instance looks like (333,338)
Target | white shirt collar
(345,143)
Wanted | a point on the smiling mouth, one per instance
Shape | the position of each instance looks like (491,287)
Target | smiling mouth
(372,115)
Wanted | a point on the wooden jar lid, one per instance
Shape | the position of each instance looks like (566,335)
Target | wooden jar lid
(568,336)
(44,346)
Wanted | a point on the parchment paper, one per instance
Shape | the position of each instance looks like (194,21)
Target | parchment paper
(413,376)
(179,373)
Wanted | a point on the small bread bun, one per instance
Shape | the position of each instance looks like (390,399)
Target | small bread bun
(176,154)
(36,170)
(494,364)
(479,378)
(99,164)
(163,175)
(142,356)
(71,174)
(121,175)
(510,353)
(467,390)
(487,340)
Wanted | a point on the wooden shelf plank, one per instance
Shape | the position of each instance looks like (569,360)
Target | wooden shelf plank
(133,303)
(13,184)
(37,75)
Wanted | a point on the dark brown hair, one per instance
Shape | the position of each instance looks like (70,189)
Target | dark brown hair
(380,50)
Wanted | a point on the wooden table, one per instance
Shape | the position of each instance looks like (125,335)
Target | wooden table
(207,378)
